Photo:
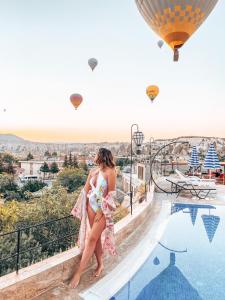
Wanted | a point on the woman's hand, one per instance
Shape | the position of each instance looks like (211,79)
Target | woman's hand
(87,186)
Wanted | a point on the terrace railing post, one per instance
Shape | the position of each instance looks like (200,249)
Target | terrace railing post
(18,251)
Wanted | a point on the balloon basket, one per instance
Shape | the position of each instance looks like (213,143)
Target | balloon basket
(176,55)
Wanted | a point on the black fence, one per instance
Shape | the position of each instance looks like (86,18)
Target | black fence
(30,244)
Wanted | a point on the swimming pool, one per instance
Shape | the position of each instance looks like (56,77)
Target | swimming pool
(189,261)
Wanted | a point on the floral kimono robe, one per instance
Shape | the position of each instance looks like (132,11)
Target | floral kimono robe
(107,206)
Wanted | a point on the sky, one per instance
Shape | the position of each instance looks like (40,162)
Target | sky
(44,49)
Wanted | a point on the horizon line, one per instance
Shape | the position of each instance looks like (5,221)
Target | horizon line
(108,142)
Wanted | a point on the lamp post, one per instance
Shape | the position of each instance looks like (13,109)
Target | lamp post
(138,138)
(151,140)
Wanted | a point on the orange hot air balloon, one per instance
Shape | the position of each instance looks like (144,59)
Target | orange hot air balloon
(175,21)
(76,100)
(152,92)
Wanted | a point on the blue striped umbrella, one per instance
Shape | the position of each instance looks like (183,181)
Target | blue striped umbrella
(194,160)
(211,159)
(210,223)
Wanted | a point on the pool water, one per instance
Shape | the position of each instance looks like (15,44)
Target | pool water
(189,261)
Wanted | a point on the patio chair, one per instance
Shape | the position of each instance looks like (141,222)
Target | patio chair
(196,190)
(195,180)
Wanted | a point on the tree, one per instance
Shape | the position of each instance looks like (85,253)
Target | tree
(75,162)
(65,164)
(54,169)
(33,186)
(10,169)
(53,204)
(47,154)
(121,162)
(30,156)
(44,168)
(1,166)
(70,161)
(84,166)
(71,179)
(8,158)
(8,187)
(6,163)
(54,154)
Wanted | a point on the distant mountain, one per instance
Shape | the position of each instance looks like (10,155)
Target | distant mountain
(191,137)
(13,139)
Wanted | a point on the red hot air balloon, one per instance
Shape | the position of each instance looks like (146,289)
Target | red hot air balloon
(76,100)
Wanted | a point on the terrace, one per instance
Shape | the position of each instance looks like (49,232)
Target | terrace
(151,212)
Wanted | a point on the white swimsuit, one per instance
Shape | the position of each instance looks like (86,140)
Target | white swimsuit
(97,192)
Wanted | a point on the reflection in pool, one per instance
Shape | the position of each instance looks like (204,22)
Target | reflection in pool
(189,261)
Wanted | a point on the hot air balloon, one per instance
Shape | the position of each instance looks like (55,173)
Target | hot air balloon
(152,91)
(175,21)
(92,63)
(76,100)
(160,43)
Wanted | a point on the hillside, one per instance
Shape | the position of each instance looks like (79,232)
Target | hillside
(11,138)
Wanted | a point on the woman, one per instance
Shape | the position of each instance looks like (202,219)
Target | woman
(96,202)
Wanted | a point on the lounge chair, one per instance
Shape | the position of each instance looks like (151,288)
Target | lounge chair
(195,180)
(196,190)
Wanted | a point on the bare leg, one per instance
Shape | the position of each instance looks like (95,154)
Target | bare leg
(99,257)
(94,236)
(98,248)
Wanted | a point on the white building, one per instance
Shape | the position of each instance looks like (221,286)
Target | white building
(32,167)
(140,176)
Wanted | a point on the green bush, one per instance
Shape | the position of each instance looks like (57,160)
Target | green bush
(122,162)
(33,186)
(54,203)
(7,183)
(72,178)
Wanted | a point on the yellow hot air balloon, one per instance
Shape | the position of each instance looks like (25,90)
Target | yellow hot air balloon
(176,20)
(152,91)
(76,100)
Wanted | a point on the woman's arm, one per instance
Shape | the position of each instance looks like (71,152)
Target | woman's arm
(87,186)
(111,180)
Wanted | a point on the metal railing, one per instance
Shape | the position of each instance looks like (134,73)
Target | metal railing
(30,244)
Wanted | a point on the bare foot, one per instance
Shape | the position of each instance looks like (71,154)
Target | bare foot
(98,271)
(75,281)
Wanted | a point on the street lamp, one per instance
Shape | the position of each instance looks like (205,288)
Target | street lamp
(151,140)
(138,138)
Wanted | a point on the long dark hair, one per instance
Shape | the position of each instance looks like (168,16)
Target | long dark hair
(105,158)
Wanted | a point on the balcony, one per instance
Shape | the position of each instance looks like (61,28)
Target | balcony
(35,274)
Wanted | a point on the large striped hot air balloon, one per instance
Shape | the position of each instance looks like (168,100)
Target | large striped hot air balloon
(175,20)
